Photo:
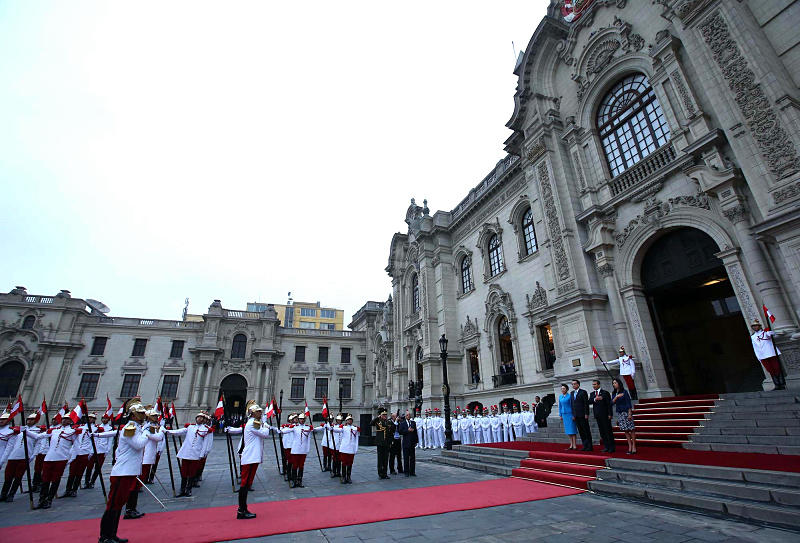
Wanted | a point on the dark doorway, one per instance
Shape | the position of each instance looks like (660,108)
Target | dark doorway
(234,387)
(705,346)
(510,402)
(10,378)
(472,405)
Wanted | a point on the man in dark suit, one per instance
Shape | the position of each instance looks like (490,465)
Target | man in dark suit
(408,429)
(383,440)
(395,452)
(601,407)
(580,413)
(540,413)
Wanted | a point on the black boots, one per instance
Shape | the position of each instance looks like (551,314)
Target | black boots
(189,486)
(325,463)
(346,471)
(15,484)
(130,507)
(779,381)
(337,469)
(37,481)
(87,482)
(72,487)
(243,513)
(182,493)
(6,487)
(297,478)
(43,494)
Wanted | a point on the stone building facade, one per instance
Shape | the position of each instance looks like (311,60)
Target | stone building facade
(649,199)
(63,349)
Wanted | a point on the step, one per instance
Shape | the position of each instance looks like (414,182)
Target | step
(689,425)
(562,479)
(680,398)
(660,442)
(702,404)
(768,400)
(776,440)
(561,467)
(768,394)
(735,431)
(486,458)
(666,436)
(741,447)
(660,429)
(584,459)
(671,409)
(787,408)
(669,416)
(492,450)
(753,511)
(473,465)
(728,422)
(770,416)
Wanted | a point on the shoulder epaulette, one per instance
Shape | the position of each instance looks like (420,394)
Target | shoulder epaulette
(130,430)
(256,424)
(186,425)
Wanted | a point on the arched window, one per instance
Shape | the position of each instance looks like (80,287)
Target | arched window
(466,275)
(415,293)
(495,256)
(27,324)
(239,346)
(631,123)
(10,378)
(528,233)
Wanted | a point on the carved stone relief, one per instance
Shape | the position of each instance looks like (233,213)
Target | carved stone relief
(537,149)
(786,193)
(683,92)
(655,210)
(470,329)
(578,169)
(553,223)
(644,353)
(736,214)
(773,141)
(744,293)
(606,270)
(538,300)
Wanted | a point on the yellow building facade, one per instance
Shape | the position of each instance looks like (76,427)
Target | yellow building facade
(310,315)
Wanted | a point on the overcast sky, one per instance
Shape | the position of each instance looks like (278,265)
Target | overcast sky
(153,151)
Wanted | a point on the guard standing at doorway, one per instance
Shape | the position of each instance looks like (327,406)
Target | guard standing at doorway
(383,440)
(767,353)
(251,451)
(627,369)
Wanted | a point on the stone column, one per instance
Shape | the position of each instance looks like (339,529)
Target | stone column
(192,383)
(205,398)
(620,327)
(197,394)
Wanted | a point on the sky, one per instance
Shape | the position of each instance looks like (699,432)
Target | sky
(154,151)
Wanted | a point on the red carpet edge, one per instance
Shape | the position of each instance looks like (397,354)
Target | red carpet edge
(288,516)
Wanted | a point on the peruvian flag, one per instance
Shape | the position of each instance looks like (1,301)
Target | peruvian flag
(16,407)
(573,9)
(325,407)
(120,413)
(159,408)
(42,410)
(220,410)
(770,317)
(270,410)
(109,409)
(61,414)
(307,412)
(594,353)
(172,411)
(80,410)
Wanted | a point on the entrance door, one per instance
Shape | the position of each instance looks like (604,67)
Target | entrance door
(705,346)
(234,387)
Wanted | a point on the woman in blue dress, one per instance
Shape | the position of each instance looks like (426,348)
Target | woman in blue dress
(565,412)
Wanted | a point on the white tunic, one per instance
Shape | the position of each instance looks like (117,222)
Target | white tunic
(252,451)
(15,450)
(194,442)
(103,445)
(497,423)
(504,419)
(516,421)
(301,441)
(763,346)
(151,448)
(465,423)
(42,445)
(6,433)
(527,419)
(627,365)
(130,449)
(347,437)
(288,438)
(61,440)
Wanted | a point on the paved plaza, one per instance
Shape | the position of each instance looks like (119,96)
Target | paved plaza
(585,517)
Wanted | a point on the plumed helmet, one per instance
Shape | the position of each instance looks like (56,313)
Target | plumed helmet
(251,406)
(134,405)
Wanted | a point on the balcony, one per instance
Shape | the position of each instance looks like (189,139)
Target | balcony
(475,194)
(150,323)
(647,167)
(504,379)
(234,314)
(315,332)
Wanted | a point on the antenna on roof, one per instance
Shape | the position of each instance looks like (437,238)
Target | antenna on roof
(186,308)
(290,299)
(514,48)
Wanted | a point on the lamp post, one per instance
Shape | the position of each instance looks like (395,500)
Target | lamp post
(448,428)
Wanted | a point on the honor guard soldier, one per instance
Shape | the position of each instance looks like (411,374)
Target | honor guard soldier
(327,445)
(209,442)
(627,370)
(486,426)
(191,452)
(438,429)
(7,431)
(516,422)
(55,461)
(13,457)
(497,426)
(383,440)
(348,446)
(419,420)
(124,475)
(477,430)
(79,455)
(454,424)
(251,452)
(336,449)
(767,353)
(465,426)
(38,452)
(287,440)
(96,460)
(301,444)
(151,448)
(528,424)
(505,418)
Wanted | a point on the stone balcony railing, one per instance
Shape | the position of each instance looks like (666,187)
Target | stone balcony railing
(150,323)
(474,195)
(647,167)
(39,299)
(234,314)
(315,332)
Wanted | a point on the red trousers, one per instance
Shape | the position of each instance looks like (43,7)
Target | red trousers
(120,490)
(53,470)
(347,459)
(327,452)
(38,464)
(629,382)
(772,365)
(248,474)
(146,471)
(289,457)
(15,469)
(298,461)
(96,460)
(189,468)
(77,467)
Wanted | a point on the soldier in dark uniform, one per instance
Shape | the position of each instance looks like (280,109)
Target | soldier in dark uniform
(384,434)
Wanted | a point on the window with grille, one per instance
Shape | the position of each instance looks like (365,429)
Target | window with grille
(414,294)
(529,233)
(298,388)
(99,346)
(495,256)
(88,386)
(345,388)
(299,354)
(177,349)
(169,388)
(630,123)
(28,323)
(345,355)
(130,385)
(321,388)
(466,275)
(139,346)
(239,346)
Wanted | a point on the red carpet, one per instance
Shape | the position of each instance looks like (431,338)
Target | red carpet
(773,462)
(220,524)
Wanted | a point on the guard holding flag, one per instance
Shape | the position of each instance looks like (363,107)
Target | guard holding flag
(767,353)
(627,370)
(251,452)
(301,444)
(102,446)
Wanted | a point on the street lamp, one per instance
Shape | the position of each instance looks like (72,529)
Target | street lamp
(448,429)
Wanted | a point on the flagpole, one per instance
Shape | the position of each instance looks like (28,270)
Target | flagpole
(772,337)
(46,416)
(603,363)
(280,434)
(169,462)
(99,471)
(275,446)
(316,446)
(24,436)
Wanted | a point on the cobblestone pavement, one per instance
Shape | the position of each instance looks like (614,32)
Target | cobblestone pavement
(581,518)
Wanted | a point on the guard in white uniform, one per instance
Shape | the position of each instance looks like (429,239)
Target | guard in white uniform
(420,423)
(438,429)
(103,446)
(151,449)
(191,452)
(477,430)
(486,426)
(454,424)
(516,422)
(251,452)
(465,425)
(767,353)
(528,424)
(127,467)
(348,439)
(301,444)
(497,426)
(13,458)
(627,370)
(61,441)
(504,418)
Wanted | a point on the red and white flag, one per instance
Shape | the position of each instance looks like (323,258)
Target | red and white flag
(594,353)
(61,413)
(120,413)
(160,408)
(16,407)
(172,411)
(42,410)
(325,407)
(109,409)
(220,410)
(770,317)
(270,410)
(307,413)
(77,414)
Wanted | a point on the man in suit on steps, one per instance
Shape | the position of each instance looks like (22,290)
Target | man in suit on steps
(601,407)
(408,429)
(580,413)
